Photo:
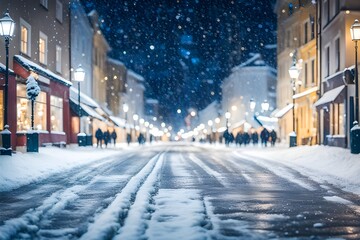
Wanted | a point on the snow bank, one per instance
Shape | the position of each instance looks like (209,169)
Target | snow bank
(24,168)
(322,163)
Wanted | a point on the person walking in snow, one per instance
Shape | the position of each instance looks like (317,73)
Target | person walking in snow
(99,137)
(128,138)
(273,137)
(264,135)
(106,137)
(113,137)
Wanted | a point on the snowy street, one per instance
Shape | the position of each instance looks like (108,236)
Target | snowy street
(179,192)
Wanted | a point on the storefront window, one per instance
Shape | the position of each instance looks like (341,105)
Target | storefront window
(24,110)
(56,113)
(337,119)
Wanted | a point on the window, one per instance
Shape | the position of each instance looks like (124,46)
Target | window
(24,110)
(56,113)
(44,3)
(326,11)
(312,23)
(25,37)
(337,6)
(327,59)
(59,11)
(312,72)
(337,119)
(337,54)
(58,58)
(306,75)
(43,48)
(306,26)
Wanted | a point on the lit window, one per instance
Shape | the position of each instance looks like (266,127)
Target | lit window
(337,119)
(56,113)
(24,110)
(43,48)
(25,35)
(58,59)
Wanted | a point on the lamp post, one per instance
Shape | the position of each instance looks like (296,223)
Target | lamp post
(355,131)
(79,76)
(125,109)
(7,26)
(294,73)
(252,104)
(227,116)
(265,105)
(135,118)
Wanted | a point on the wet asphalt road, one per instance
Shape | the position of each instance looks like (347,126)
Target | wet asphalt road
(242,198)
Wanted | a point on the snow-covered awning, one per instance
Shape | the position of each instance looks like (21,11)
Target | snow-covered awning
(306,92)
(85,110)
(330,96)
(267,119)
(238,124)
(31,66)
(283,111)
(118,121)
(74,94)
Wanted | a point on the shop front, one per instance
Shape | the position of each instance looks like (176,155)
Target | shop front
(51,107)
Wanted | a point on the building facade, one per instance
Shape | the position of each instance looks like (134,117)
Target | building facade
(34,51)
(336,105)
(297,47)
(254,81)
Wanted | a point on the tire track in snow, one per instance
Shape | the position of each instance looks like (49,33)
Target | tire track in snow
(109,221)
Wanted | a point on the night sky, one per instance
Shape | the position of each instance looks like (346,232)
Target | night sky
(185,48)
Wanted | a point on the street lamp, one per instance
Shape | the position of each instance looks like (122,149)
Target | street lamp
(265,105)
(7,26)
(355,137)
(252,104)
(125,109)
(79,76)
(135,118)
(294,73)
(227,116)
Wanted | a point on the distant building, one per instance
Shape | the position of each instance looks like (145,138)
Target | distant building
(151,108)
(135,95)
(252,80)
(99,56)
(115,86)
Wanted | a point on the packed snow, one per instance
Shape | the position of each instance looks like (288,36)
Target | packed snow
(176,212)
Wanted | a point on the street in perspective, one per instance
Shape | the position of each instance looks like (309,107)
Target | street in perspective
(187,191)
(179,119)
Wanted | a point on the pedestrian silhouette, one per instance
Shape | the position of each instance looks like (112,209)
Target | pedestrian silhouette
(113,137)
(99,137)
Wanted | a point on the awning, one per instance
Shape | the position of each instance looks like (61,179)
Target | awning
(74,94)
(31,66)
(306,92)
(238,124)
(283,111)
(85,110)
(330,96)
(118,121)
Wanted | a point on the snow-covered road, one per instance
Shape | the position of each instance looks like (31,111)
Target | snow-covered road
(179,192)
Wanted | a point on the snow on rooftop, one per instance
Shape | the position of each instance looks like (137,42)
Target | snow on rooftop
(135,75)
(115,61)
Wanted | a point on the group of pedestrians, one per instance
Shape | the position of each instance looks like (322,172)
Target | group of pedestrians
(248,137)
(105,137)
